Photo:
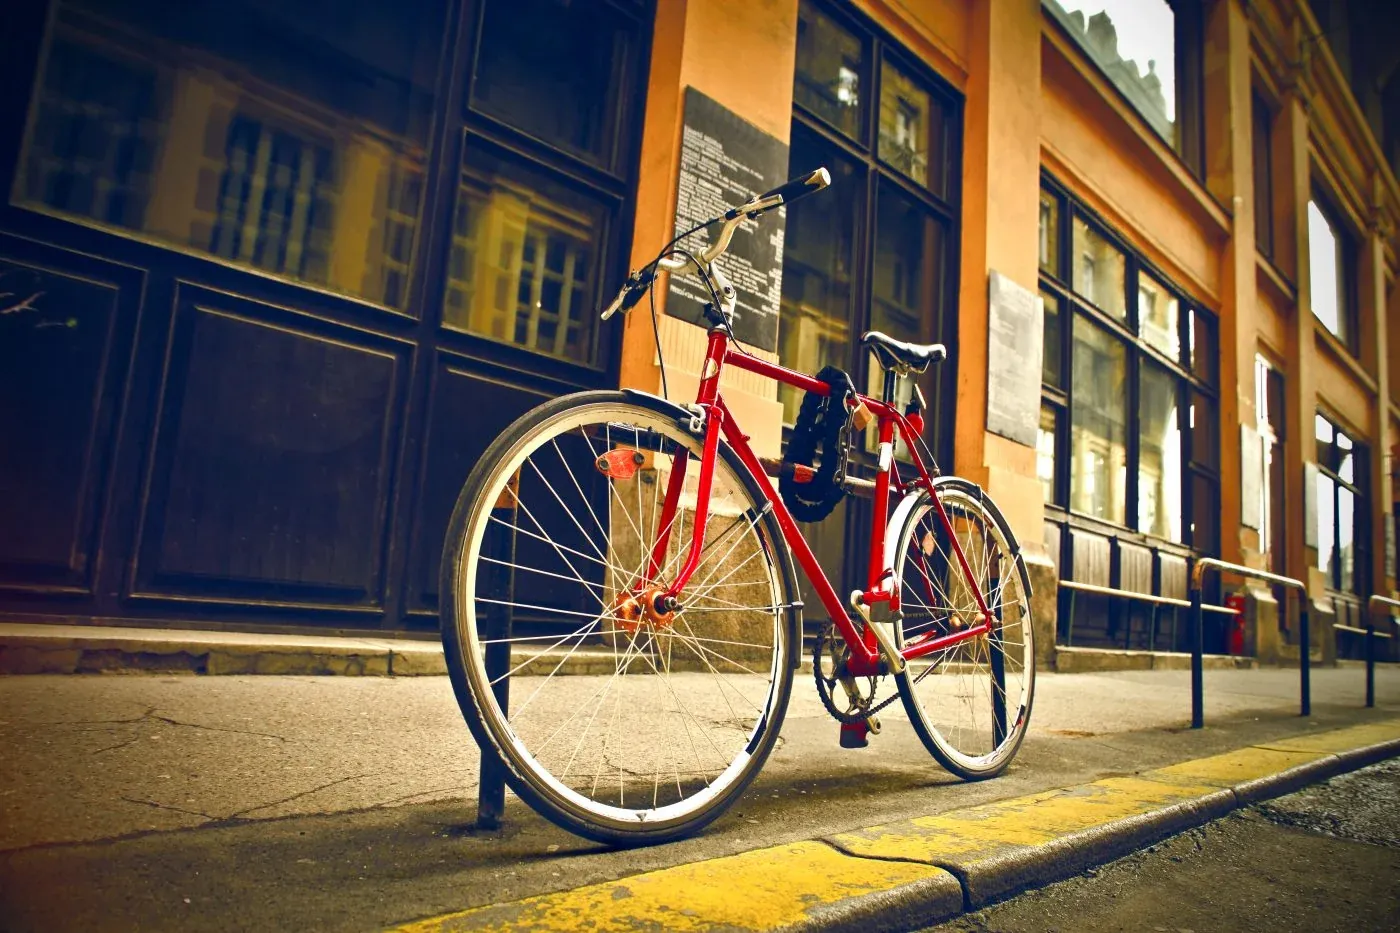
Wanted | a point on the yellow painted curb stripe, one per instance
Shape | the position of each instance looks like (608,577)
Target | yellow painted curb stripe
(784,885)
(758,890)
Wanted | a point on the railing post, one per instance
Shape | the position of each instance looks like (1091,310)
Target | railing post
(1304,653)
(1198,702)
(1370,660)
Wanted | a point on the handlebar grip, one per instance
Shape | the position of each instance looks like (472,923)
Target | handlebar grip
(806,184)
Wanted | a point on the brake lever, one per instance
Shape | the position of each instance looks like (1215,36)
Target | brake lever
(631,292)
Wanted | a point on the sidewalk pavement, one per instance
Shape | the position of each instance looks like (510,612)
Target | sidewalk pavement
(347,802)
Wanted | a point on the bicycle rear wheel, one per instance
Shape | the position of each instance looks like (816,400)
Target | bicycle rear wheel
(970,702)
(615,720)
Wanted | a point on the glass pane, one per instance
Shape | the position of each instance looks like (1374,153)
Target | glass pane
(1205,436)
(1045,451)
(830,71)
(1346,455)
(1205,514)
(1049,233)
(1099,270)
(1346,539)
(1134,42)
(524,258)
(550,68)
(1323,429)
(1159,316)
(1326,525)
(1324,272)
(911,128)
(1052,364)
(1098,419)
(818,261)
(271,135)
(1160,483)
(907,278)
(1200,335)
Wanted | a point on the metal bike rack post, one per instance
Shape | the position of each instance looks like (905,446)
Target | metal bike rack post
(1372,605)
(491,779)
(1198,633)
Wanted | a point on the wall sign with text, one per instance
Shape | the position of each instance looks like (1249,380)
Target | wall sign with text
(725,160)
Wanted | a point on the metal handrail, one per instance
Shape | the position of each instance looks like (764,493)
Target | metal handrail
(1371,605)
(1198,572)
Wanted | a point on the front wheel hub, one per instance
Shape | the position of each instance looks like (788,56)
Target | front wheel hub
(649,607)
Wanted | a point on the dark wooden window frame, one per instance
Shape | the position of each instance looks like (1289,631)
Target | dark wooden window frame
(1349,314)
(1061,399)
(1328,460)
(1262,143)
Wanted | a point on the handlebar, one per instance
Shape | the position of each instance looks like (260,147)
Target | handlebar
(640,281)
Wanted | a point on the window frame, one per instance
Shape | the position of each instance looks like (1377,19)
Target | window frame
(1359,487)
(1196,467)
(1262,166)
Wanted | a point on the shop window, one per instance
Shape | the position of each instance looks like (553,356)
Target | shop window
(524,254)
(1342,539)
(1151,51)
(1330,276)
(268,135)
(1049,234)
(911,127)
(1129,428)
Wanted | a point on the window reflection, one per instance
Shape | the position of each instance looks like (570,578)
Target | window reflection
(265,133)
(1134,42)
(911,125)
(908,252)
(1325,273)
(1045,451)
(1098,463)
(522,262)
(547,67)
(1052,364)
(1049,233)
(1326,523)
(1160,484)
(818,260)
(1099,270)
(1159,316)
(830,63)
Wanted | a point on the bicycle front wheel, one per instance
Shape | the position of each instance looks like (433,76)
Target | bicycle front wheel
(618,721)
(970,702)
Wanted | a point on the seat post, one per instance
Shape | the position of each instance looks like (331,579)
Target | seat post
(888,394)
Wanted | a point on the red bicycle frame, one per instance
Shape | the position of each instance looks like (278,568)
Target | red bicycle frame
(865,649)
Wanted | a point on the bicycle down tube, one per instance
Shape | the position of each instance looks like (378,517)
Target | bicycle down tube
(718,420)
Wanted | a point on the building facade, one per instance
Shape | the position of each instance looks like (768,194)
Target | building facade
(275,274)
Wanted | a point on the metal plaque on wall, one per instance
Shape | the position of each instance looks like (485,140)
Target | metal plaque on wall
(725,160)
(1015,342)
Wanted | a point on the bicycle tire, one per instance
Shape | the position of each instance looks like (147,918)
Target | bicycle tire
(502,739)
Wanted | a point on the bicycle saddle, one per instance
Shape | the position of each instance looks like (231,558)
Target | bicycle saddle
(893,353)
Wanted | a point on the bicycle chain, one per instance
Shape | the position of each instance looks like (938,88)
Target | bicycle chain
(824,687)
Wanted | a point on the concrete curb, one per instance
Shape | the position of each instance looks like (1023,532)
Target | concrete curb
(78,649)
(921,872)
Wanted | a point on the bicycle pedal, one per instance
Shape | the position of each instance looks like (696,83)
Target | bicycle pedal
(855,735)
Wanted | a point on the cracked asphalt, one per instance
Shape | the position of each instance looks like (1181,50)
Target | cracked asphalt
(163,802)
(1324,859)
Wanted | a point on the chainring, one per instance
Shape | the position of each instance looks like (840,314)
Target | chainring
(836,652)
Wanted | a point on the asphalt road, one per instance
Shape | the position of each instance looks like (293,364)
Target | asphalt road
(1326,858)
(234,803)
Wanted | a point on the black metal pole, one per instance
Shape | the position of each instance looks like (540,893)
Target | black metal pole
(1304,655)
(1370,661)
(491,788)
(994,645)
(1198,701)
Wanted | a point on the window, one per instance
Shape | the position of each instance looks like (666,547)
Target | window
(1342,537)
(270,135)
(534,236)
(1263,143)
(884,223)
(1269,421)
(1151,51)
(1330,275)
(1140,450)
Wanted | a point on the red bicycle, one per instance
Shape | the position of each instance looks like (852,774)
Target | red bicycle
(620,607)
